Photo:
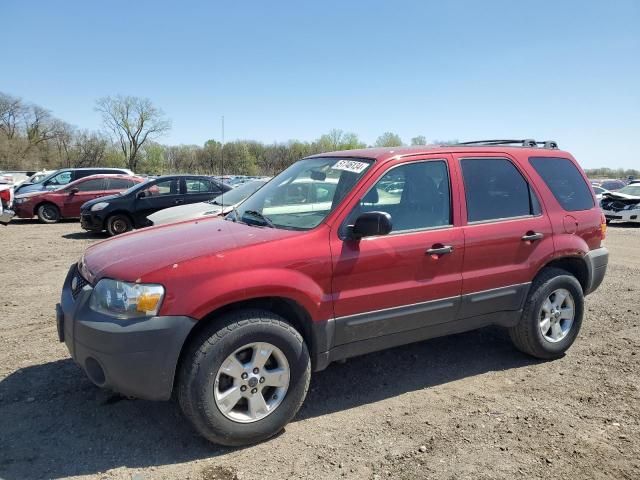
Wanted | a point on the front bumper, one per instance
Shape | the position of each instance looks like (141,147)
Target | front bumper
(133,357)
(597,261)
(91,221)
(23,210)
(623,215)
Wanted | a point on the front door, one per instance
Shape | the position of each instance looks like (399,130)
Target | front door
(78,193)
(156,196)
(410,278)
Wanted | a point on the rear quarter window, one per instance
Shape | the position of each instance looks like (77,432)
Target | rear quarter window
(565,182)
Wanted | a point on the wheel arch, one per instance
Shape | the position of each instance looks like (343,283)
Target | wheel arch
(44,202)
(575,265)
(287,308)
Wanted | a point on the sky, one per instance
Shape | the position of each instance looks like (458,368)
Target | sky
(279,70)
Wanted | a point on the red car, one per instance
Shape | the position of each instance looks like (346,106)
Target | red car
(65,202)
(231,317)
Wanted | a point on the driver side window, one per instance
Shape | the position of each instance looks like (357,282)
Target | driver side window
(165,187)
(416,195)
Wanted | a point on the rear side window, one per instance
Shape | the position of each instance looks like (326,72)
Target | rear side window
(495,189)
(92,185)
(565,182)
(119,183)
(195,185)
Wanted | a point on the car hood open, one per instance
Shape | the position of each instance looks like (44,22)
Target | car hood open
(133,255)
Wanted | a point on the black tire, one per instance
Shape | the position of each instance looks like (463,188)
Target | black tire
(118,224)
(204,357)
(48,213)
(526,335)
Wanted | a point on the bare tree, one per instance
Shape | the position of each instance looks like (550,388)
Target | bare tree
(132,121)
(11,111)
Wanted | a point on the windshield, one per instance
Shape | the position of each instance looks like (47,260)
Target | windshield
(630,190)
(237,194)
(302,195)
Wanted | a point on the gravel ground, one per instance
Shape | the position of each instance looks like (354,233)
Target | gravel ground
(464,406)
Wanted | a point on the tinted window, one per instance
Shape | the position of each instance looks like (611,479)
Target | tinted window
(119,183)
(91,185)
(495,189)
(197,185)
(165,187)
(565,182)
(416,195)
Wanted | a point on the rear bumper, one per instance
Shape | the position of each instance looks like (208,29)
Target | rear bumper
(597,261)
(132,357)
(6,216)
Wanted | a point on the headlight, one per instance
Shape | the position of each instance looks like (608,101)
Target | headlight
(99,206)
(126,300)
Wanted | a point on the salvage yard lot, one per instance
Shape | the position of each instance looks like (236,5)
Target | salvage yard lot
(465,406)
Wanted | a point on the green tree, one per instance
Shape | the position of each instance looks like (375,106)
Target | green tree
(419,140)
(388,139)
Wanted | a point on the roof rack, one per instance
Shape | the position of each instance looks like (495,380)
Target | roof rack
(528,142)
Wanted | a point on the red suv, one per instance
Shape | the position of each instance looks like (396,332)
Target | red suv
(396,246)
(65,202)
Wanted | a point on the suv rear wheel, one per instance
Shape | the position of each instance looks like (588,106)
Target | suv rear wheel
(552,315)
(48,213)
(117,224)
(244,378)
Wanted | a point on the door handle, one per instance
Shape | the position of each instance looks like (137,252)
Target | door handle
(439,249)
(178,201)
(532,236)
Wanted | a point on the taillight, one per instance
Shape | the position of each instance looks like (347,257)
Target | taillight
(603,226)
(5,196)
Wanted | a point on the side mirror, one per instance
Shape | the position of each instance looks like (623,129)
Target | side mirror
(371,224)
(73,191)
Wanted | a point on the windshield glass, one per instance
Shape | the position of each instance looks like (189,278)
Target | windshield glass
(303,195)
(630,190)
(237,194)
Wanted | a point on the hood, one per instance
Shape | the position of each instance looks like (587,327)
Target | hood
(31,194)
(184,212)
(34,187)
(100,199)
(133,255)
(620,196)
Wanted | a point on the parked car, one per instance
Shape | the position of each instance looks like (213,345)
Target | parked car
(231,317)
(39,176)
(220,205)
(599,191)
(120,213)
(65,202)
(612,185)
(65,176)
(622,205)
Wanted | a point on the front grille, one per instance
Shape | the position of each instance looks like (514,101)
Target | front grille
(77,283)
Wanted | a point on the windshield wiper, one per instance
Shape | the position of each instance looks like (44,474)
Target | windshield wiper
(262,217)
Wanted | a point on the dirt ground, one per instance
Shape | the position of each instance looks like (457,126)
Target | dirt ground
(465,406)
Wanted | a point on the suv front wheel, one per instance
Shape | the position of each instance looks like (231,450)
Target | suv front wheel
(552,315)
(244,377)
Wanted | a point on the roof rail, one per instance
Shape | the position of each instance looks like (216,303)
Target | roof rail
(551,144)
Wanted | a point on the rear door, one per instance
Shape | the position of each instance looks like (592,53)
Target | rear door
(199,189)
(159,194)
(507,234)
(80,193)
(410,278)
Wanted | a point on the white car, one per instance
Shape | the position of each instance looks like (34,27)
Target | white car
(599,191)
(623,205)
(221,205)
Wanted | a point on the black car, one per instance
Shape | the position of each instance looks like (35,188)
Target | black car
(120,213)
(66,175)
